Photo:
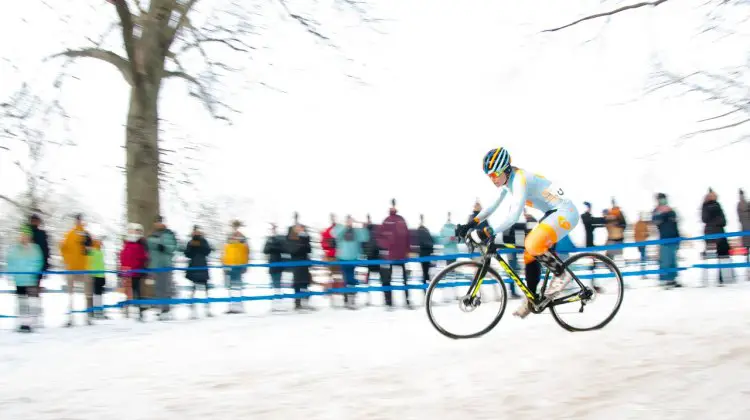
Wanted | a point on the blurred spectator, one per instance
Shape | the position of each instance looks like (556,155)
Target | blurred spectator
(372,252)
(74,253)
(616,224)
(235,259)
(26,256)
(393,237)
(642,233)
(298,248)
(134,256)
(448,240)
(162,244)
(665,219)
(590,223)
(328,243)
(197,251)
(349,242)
(98,278)
(713,217)
(39,237)
(426,244)
(743,212)
(274,248)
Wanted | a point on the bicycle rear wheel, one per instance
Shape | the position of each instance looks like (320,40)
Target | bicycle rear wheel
(450,310)
(585,306)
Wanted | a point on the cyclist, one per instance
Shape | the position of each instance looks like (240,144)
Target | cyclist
(521,189)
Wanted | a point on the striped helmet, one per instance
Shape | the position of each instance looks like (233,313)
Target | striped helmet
(496,160)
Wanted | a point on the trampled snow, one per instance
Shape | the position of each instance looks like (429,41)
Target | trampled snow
(669,354)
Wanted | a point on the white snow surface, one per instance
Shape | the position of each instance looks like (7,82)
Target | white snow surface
(669,354)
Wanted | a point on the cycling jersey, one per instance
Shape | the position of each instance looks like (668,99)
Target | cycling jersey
(524,189)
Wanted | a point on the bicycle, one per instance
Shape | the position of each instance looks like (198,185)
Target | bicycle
(472,300)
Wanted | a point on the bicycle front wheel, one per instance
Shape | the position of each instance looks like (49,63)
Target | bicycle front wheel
(594,296)
(454,312)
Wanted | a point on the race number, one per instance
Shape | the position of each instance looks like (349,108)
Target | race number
(553,194)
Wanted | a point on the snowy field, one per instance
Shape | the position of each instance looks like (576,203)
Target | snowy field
(677,354)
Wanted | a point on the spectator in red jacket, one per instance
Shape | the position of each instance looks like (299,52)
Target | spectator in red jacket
(134,256)
(393,237)
(328,243)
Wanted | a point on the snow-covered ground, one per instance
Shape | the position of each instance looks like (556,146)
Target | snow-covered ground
(677,354)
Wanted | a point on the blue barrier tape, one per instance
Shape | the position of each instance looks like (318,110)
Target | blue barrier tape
(207,300)
(365,263)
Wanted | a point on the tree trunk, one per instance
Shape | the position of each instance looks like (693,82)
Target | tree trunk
(142,149)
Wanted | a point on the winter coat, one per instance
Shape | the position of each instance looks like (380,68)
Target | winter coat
(299,249)
(96,263)
(615,225)
(134,256)
(713,217)
(371,248)
(641,231)
(73,248)
(425,242)
(236,250)
(197,251)
(40,238)
(328,242)
(274,248)
(448,240)
(589,224)
(158,258)
(665,220)
(743,212)
(393,236)
(25,258)
(349,242)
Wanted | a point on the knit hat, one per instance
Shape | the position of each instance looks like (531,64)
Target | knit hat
(26,230)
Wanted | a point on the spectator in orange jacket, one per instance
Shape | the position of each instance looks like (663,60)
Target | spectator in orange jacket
(74,250)
(642,233)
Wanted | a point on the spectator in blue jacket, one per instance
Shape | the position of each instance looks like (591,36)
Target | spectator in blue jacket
(665,219)
(26,257)
(349,247)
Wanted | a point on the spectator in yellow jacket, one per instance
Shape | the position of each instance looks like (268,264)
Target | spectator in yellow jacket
(74,250)
(235,258)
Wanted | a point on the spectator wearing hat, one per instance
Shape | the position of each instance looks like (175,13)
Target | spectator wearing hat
(235,259)
(162,244)
(197,251)
(74,250)
(26,257)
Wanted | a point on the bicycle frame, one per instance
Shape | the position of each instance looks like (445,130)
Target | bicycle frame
(538,304)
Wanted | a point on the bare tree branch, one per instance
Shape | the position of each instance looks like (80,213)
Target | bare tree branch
(719,128)
(126,21)
(309,24)
(202,93)
(720,116)
(100,54)
(609,13)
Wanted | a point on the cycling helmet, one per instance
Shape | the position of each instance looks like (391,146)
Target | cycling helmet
(496,160)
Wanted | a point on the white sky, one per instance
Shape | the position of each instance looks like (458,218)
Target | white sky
(445,83)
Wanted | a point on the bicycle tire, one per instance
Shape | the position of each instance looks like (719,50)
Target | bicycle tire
(440,276)
(618,277)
